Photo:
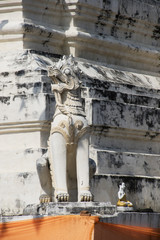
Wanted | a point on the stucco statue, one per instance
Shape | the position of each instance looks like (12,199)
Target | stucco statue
(68,143)
(122,203)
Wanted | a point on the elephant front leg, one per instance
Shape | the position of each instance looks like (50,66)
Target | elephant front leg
(57,147)
(84,195)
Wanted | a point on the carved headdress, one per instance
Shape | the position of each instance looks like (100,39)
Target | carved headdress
(66,86)
(64,69)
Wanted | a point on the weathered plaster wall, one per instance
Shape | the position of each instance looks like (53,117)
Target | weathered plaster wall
(123,33)
(116,44)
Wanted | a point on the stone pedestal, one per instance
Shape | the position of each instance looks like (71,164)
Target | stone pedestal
(125,209)
(94,208)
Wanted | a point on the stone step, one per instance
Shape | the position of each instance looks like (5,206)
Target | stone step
(115,114)
(128,163)
(120,84)
(101,93)
(125,140)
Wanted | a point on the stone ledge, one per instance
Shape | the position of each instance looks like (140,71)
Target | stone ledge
(140,219)
(122,115)
(95,208)
(121,162)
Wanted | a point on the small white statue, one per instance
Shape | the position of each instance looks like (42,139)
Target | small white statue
(68,151)
(122,203)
